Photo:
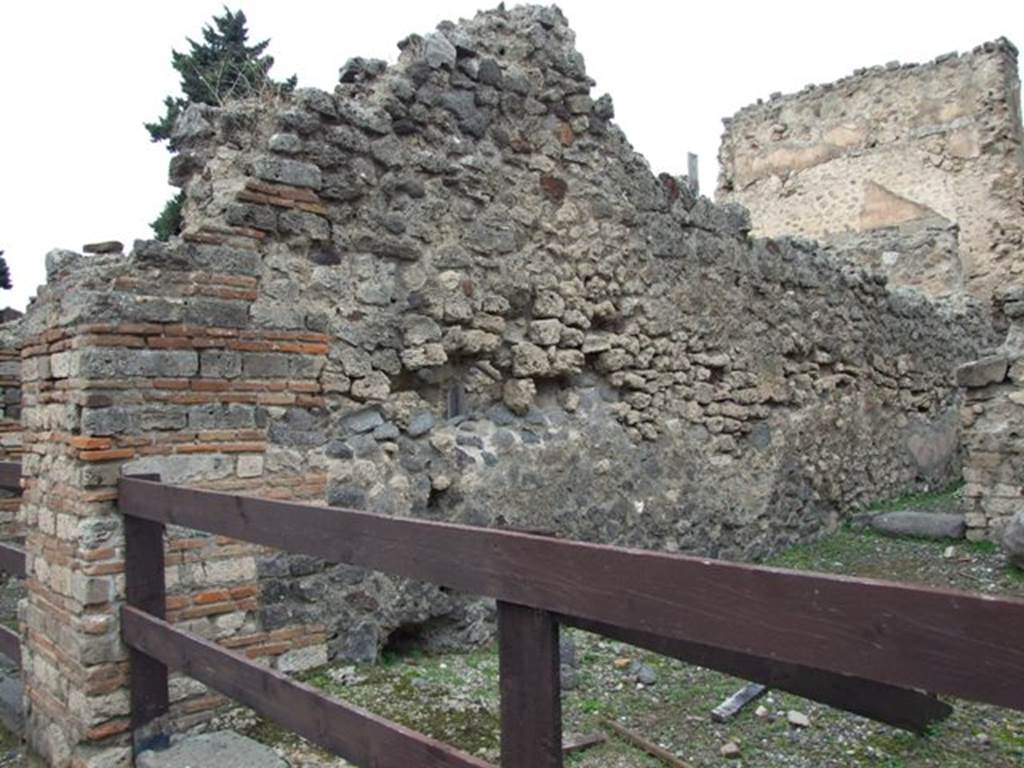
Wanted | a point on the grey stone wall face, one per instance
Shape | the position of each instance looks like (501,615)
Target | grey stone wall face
(531,329)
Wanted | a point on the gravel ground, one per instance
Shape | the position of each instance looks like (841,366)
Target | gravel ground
(455,697)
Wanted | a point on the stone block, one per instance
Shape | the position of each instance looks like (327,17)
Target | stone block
(265,365)
(159,417)
(365,420)
(176,363)
(426,356)
(518,395)
(529,360)
(420,424)
(182,469)
(218,313)
(285,171)
(218,364)
(249,466)
(262,217)
(223,749)
(92,590)
(216,416)
(376,386)
(926,525)
(302,659)
(105,421)
(981,373)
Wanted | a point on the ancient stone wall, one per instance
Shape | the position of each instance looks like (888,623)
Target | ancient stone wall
(137,364)
(528,328)
(993,427)
(10,417)
(879,157)
(448,289)
(10,389)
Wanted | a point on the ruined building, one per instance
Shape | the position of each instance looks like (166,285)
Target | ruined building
(914,170)
(449,288)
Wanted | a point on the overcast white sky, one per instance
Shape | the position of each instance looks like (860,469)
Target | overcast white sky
(80,78)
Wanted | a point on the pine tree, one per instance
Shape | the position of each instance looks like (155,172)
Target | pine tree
(168,223)
(222,67)
(5,273)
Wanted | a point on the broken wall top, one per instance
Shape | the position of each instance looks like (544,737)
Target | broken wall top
(473,203)
(901,145)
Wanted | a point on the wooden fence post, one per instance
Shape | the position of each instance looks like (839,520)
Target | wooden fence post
(145,588)
(531,696)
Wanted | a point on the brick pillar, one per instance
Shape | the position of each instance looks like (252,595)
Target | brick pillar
(146,363)
(10,420)
(992,420)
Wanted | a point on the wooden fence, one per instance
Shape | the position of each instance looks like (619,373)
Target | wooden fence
(12,560)
(866,646)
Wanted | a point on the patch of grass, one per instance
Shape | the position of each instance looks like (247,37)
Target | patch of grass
(981,547)
(831,552)
(590,706)
(929,499)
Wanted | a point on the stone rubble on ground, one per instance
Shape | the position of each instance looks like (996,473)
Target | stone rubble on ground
(731,751)
(797,719)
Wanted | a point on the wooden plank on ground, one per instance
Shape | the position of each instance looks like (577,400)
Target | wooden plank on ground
(531,699)
(10,644)
(12,560)
(347,731)
(638,741)
(583,743)
(909,636)
(899,707)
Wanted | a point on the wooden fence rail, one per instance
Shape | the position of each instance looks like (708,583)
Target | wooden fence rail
(867,646)
(12,560)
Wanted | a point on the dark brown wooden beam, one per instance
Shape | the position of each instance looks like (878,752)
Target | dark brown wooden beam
(10,475)
(12,560)
(347,731)
(10,644)
(909,636)
(583,743)
(531,697)
(145,588)
(899,707)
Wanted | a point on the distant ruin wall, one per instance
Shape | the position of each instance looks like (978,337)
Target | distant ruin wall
(886,154)
(449,289)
